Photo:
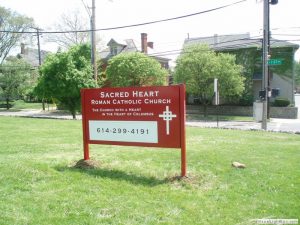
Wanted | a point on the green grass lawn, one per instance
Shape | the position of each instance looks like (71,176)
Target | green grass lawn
(134,185)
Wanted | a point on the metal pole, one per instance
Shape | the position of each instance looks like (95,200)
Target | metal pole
(216,94)
(93,26)
(265,64)
(293,75)
(269,71)
(40,58)
(39,45)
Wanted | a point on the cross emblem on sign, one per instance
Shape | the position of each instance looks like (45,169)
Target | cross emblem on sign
(167,116)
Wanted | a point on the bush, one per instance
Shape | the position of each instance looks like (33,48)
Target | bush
(246,100)
(281,102)
(61,106)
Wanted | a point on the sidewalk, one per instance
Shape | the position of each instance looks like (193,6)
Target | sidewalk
(37,113)
(276,125)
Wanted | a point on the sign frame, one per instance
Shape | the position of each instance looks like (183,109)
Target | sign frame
(90,119)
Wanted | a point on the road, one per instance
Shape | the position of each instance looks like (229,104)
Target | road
(277,125)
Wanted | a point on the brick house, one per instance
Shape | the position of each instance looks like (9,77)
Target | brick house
(115,47)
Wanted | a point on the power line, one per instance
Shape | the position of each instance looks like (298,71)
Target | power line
(132,25)
(287,40)
(292,35)
(254,39)
(228,47)
(225,48)
(281,28)
(14,66)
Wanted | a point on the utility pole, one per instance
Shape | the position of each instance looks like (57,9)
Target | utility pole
(39,45)
(265,63)
(39,54)
(266,55)
(269,70)
(93,40)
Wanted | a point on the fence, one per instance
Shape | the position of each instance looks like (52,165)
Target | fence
(275,112)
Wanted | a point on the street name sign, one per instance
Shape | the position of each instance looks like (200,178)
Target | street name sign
(135,116)
(274,62)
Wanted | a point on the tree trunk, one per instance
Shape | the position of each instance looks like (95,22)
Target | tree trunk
(7,103)
(74,115)
(204,102)
(43,104)
(205,110)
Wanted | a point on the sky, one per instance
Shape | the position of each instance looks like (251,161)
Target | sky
(243,17)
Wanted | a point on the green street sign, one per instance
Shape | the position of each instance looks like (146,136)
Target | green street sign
(273,62)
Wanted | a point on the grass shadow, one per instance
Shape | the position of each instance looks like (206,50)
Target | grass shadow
(115,174)
(3,107)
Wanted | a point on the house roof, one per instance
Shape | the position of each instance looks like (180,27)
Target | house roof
(32,56)
(128,45)
(114,41)
(236,41)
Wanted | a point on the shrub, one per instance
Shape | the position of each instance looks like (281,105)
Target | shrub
(281,102)
(246,100)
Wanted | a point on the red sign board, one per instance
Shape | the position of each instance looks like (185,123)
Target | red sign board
(134,116)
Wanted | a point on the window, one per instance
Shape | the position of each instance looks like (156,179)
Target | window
(114,50)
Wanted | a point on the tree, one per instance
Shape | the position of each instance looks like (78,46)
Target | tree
(14,79)
(63,74)
(10,23)
(198,65)
(73,21)
(248,58)
(70,22)
(134,69)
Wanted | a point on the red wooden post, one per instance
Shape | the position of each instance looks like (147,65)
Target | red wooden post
(182,132)
(86,154)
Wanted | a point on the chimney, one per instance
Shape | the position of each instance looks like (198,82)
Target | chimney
(150,44)
(22,48)
(144,43)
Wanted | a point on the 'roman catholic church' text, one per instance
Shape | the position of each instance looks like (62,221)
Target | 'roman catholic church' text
(130,98)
